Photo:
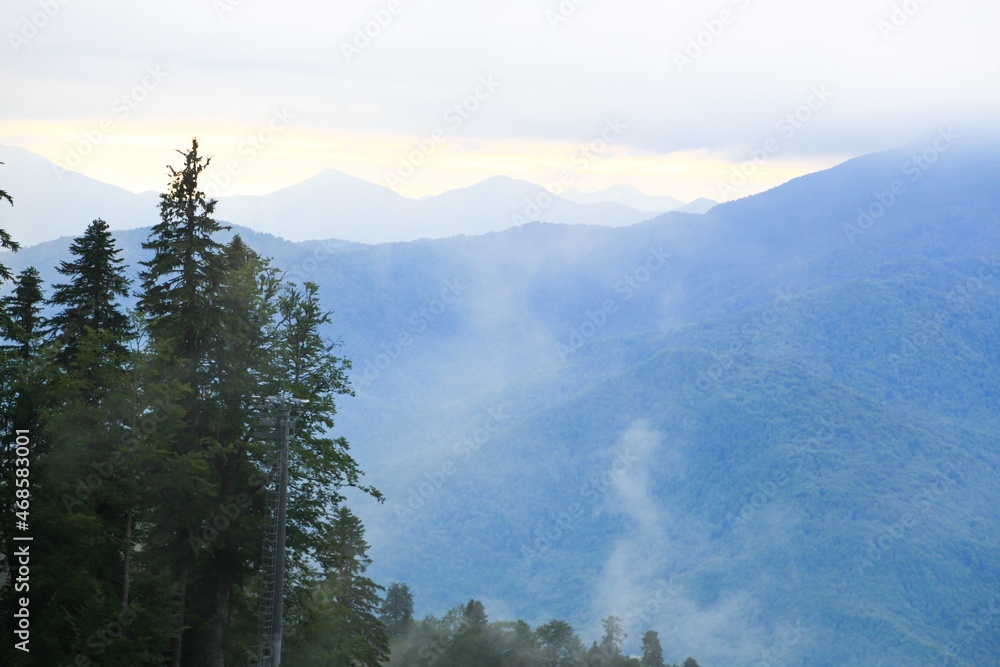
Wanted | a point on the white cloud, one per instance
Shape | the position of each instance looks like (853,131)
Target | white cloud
(558,84)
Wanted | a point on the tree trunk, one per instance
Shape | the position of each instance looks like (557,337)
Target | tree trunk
(126,578)
(177,650)
(220,619)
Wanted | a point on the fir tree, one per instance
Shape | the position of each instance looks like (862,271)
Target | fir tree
(6,243)
(89,301)
(179,302)
(26,327)
(397,609)
(338,623)
(614,635)
(22,404)
(652,651)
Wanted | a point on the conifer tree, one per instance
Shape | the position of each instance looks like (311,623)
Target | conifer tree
(321,465)
(27,326)
(6,243)
(179,302)
(614,635)
(397,609)
(337,622)
(184,274)
(560,645)
(652,651)
(89,475)
(22,404)
(89,300)
(240,356)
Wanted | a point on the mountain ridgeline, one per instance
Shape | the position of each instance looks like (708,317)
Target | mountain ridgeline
(767,432)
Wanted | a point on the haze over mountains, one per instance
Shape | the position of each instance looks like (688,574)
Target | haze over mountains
(769,431)
(331,204)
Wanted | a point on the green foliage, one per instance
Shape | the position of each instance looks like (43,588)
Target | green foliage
(465,637)
(89,301)
(559,644)
(145,464)
(335,622)
(614,635)
(652,651)
(397,609)
(6,242)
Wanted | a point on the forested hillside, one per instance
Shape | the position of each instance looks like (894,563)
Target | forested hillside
(769,427)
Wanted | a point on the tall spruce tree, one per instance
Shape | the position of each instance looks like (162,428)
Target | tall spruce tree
(221,329)
(179,301)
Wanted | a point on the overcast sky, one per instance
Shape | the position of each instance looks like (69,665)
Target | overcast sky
(681,91)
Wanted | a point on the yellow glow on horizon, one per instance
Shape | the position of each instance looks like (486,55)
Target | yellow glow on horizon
(277,153)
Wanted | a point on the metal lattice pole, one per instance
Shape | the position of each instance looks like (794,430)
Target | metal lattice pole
(272,603)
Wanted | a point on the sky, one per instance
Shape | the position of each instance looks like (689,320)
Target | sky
(717,99)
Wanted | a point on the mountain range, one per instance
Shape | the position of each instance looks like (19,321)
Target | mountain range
(768,431)
(331,204)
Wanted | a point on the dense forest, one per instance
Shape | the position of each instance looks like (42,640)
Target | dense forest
(130,456)
(465,637)
(135,471)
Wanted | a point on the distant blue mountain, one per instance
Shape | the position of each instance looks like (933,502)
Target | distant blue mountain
(768,432)
(53,202)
